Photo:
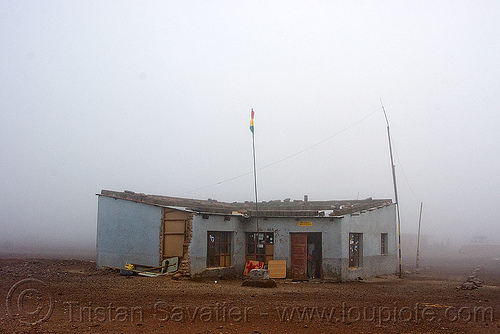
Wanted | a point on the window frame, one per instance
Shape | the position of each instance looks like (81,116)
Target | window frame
(355,250)
(384,243)
(267,243)
(219,250)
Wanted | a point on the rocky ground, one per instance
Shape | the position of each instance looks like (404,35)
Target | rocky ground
(61,296)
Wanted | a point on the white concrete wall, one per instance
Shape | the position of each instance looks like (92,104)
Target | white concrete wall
(330,233)
(335,238)
(127,232)
(198,246)
(281,227)
(371,224)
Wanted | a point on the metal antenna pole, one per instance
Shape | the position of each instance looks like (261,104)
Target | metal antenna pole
(418,236)
(255,176)
(395,187)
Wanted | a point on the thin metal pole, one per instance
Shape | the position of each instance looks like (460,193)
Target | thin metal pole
(255,179)
(418,236)
(395,188)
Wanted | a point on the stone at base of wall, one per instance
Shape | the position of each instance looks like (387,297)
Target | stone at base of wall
(181,275)
(259,274)
(222,272)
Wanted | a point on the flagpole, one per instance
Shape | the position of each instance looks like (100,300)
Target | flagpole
(254,172)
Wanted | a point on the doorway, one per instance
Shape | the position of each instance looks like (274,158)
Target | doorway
(306,254)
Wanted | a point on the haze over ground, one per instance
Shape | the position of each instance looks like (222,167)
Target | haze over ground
(156,98)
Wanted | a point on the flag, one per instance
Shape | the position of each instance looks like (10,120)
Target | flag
(251,121)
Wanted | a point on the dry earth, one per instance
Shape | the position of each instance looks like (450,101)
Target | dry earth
(61,296)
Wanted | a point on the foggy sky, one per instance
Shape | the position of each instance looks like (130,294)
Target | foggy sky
(155,97)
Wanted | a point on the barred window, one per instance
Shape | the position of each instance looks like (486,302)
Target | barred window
(384,238)
(219,249)
(355,250)
(260,246)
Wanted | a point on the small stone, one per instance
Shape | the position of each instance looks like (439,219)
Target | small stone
(468,286)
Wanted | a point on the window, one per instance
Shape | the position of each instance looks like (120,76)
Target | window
(260,246)
(384,238)
(219,249)
(355,250)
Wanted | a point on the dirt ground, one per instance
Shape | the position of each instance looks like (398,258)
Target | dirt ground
(61,296)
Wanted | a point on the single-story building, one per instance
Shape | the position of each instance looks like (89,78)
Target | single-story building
(337,240)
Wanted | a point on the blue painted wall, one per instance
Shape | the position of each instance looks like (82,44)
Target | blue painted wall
(127,232)
(335,235)
(198,245)
(130,232)
(371,224)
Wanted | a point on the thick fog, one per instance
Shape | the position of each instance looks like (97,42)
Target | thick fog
(155,97)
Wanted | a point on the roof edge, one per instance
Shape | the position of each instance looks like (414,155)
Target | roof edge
(277,208)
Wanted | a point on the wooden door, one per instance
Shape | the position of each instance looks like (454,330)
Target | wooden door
(173,233)
(299,255)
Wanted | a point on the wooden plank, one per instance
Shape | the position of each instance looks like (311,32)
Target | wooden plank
(176,215)
(277,268)
(269,250)
(174,226)
(173,245)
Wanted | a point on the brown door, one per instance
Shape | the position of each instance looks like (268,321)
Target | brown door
(299,255)
(173,232)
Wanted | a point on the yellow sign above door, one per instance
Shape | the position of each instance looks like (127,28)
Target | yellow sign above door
(305,223)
